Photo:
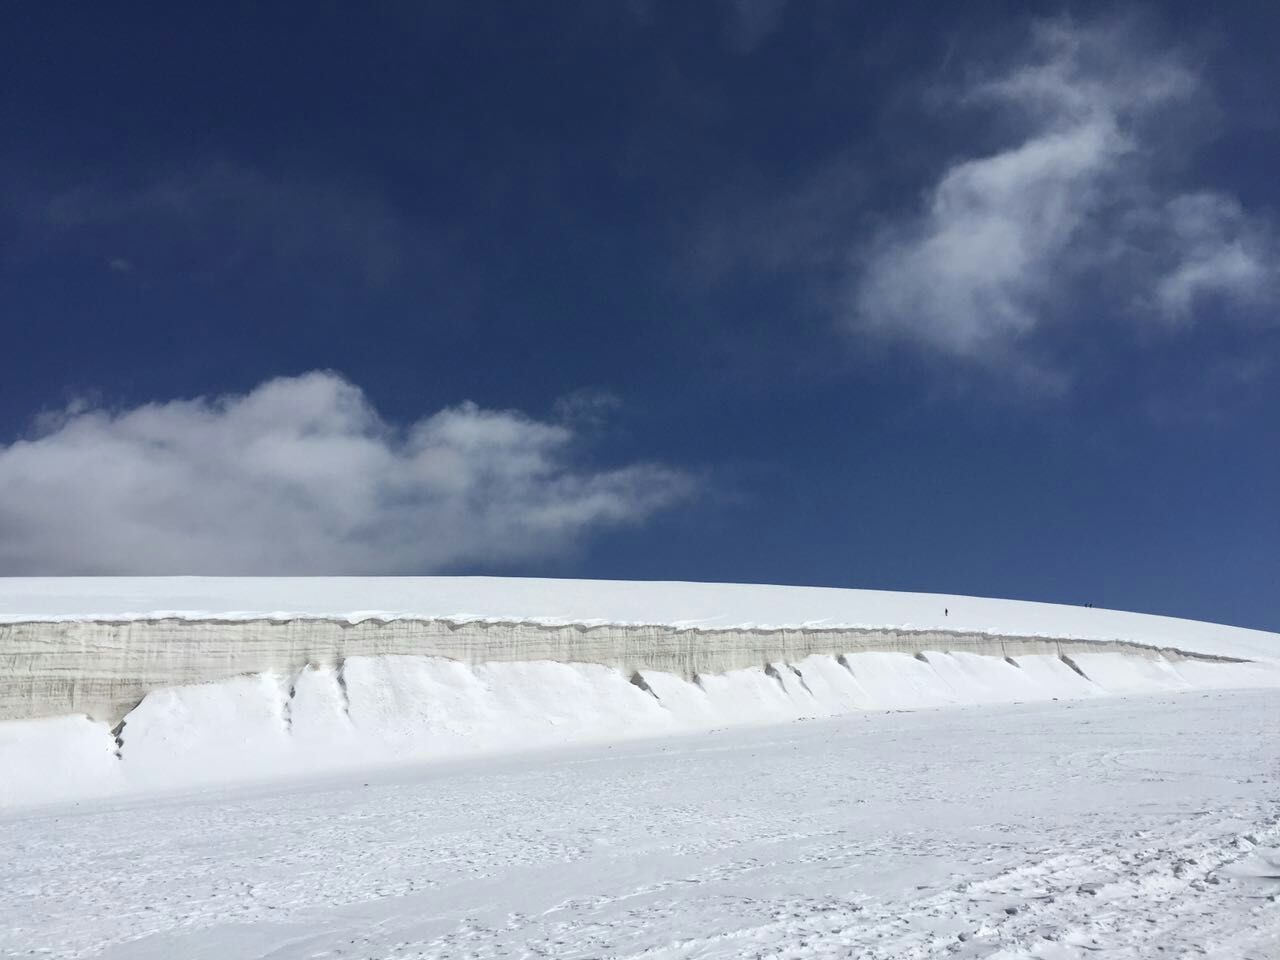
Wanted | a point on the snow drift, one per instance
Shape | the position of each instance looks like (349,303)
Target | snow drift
(110,686)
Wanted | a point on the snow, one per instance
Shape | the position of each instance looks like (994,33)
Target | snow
(218,695)
(706,606)
(1113,827)
(387,710)
(485,768)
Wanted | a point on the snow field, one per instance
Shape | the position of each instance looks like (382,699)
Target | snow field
(487,769)
(1105,827)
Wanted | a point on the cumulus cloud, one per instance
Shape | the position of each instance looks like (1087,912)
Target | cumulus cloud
(1005,240)
(302,475)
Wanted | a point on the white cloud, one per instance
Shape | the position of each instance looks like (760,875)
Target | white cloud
(1220,251)
(981,262)
(301,475)
(1005,240)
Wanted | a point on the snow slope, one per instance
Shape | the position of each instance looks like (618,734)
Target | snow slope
(1123,829)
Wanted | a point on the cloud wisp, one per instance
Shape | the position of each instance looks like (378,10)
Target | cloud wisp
(302,476)
(1221,252)
(751,22)
(1005,242)
(212,219)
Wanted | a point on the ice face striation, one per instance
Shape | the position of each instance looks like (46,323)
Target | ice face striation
(205,685)
(103,669)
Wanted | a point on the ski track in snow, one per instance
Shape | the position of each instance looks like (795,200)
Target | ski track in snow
(1112,828)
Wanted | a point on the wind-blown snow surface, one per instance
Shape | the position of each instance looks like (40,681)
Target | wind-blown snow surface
(1117,828)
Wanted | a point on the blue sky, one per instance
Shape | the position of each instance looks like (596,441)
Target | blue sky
(977,300)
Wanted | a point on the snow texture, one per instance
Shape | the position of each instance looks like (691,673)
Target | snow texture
(1107,827)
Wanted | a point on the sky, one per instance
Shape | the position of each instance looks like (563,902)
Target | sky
(978,298)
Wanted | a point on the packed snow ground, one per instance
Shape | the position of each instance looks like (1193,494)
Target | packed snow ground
(1117,828)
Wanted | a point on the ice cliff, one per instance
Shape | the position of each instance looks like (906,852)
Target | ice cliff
(109,685)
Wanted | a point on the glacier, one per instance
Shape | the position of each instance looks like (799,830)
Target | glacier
(118,685)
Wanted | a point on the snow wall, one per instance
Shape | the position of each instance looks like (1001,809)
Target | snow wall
(103,669)
(101,707)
